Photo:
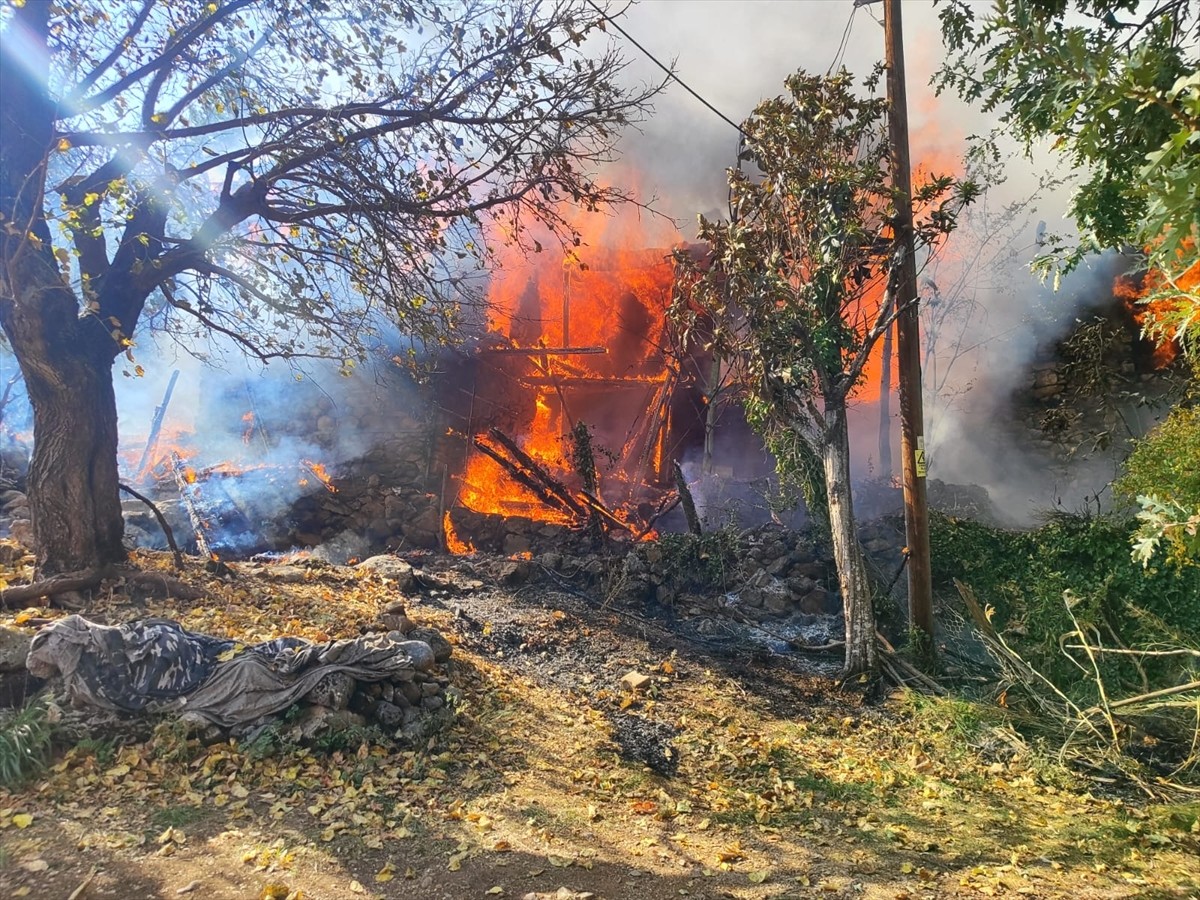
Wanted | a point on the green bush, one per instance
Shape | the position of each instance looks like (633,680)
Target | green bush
(1024,575)
(1166,463)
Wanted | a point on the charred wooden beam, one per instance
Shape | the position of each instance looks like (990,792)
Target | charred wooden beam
(524,478)
(185,494)
(597,506)
(586,381)
(156,427)
(546,351)
(685,496)
(536,469)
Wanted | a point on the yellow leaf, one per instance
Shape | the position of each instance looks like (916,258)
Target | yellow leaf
(230,653)
(357,888)
(22,820)
(63,145)
(759,877)
(732,853)
(456,861)
(495,890)
(387,873)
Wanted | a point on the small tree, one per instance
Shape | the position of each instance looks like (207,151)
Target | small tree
(281,174)
(792,293)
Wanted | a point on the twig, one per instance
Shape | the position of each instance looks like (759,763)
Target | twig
(1153,695)
(1112,725)
(1180,652)
(78,892)
(162,522)
(666,507)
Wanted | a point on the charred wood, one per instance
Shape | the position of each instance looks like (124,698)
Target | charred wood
(685,497)
(162,522)
(185,494)
(524,478)
(551,483)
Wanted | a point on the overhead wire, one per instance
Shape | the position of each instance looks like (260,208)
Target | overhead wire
(841,50)
(670,73)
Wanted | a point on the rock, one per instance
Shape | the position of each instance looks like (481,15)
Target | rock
(779,602)
(21,531)
(410,692)
(430,689)
(393,569)
(515,544)
(389,715)
(364,704)
(286,574)
(634,680)
(439,645)
(512,572)
(419,652)
(432,703)
(819,602)
(333,690)
(14,647)
(317,720)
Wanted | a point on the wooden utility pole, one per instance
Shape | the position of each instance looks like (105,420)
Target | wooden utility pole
(908,335)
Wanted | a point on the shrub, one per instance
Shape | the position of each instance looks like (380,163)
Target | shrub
(1166,463)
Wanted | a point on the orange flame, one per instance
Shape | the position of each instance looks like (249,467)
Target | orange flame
(1131,289)
(453,542)
(598,311)
(319,470)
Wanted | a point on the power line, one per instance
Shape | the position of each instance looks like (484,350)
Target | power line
(670,74)
(841,50)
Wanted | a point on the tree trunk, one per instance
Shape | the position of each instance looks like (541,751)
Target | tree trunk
(73,483)
(66,357)
(847,552)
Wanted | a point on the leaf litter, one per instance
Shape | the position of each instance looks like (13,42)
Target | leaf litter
(719,778)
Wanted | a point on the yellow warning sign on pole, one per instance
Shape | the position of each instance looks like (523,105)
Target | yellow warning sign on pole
(922,469)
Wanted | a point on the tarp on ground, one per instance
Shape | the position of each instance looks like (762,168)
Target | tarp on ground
(157,666)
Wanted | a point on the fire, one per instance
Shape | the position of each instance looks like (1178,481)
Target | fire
(579,335)
(453,543)
(1132,289)
(319,470)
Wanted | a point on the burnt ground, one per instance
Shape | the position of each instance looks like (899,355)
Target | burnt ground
(737,770)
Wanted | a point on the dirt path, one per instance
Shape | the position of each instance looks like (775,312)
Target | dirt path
(728,775)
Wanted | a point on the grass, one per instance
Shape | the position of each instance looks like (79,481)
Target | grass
(25,738)
(177,816)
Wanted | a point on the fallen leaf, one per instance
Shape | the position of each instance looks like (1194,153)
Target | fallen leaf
(759,877)
(22,820)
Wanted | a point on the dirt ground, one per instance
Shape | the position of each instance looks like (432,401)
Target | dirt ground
(733,773)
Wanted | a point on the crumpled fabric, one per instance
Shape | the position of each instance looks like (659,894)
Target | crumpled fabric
(157,666)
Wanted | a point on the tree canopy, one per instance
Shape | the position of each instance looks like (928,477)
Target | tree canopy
(291,156)
(286,175)
(1114,85)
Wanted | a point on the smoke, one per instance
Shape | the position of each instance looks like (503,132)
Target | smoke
(985,316)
